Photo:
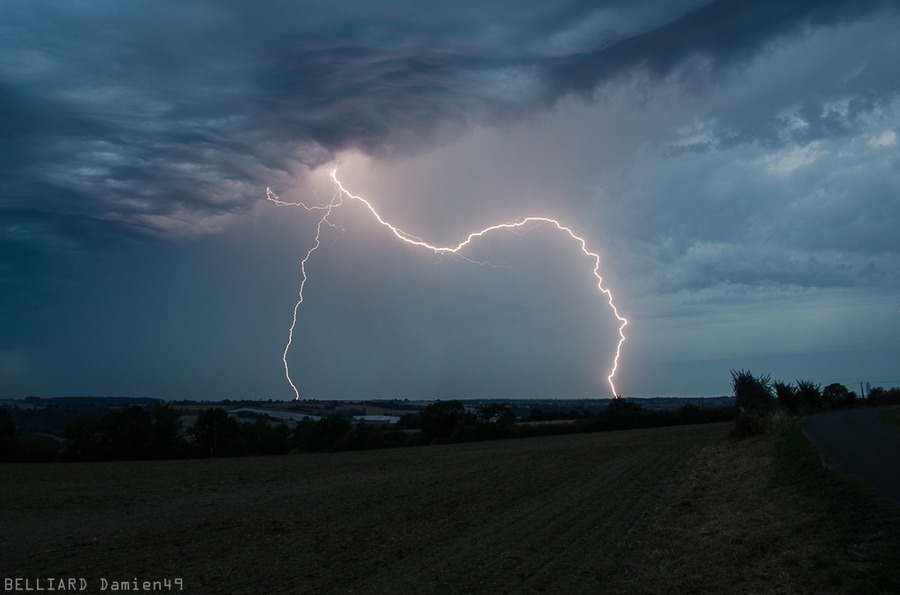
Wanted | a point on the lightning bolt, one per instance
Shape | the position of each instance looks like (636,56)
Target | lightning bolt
(337,200)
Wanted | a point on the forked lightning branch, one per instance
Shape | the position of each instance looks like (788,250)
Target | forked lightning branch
(337,199)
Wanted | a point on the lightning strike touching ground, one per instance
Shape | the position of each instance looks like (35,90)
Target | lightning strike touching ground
(337,200)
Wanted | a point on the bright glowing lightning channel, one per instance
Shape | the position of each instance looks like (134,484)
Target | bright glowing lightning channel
(337,200)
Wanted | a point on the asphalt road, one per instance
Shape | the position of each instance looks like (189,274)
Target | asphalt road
(854,442)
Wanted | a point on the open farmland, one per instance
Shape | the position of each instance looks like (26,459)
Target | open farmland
(635,511)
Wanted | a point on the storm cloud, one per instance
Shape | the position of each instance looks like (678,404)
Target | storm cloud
(147,118)
(715,147)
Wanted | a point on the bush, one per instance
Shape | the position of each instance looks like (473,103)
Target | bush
(7,436)
(755,403)
(810,396)
(787,397)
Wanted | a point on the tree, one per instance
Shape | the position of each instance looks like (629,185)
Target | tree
(216,433)
(622,414)
(494,421)
(82,440)
(409,421)
(329,433)
(877,396)
(36,448)
(263,438)
(838,395)
(498,418)
(166,440)
(445,419)
(126,434)
(7,435)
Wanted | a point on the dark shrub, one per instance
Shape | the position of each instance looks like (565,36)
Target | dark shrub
(755,403)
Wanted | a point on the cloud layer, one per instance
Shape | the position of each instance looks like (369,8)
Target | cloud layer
(717,149)
(147,119)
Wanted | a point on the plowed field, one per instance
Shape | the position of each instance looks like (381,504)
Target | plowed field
(556,514)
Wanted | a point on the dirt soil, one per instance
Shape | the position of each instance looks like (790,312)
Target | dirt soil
(626,512)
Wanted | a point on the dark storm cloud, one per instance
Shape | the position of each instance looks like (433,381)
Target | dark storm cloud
(143,119)
(721,34)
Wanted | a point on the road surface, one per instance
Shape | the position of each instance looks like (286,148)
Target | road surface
(854,442)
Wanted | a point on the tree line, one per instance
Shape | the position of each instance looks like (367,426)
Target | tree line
(136,433)
(157,432)
(763,403)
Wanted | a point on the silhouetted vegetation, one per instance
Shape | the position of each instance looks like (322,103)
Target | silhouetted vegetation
(882,396)
(28,447)
(446,420)
(156,432)
(138,433)
(755,402)
(335,432)
(762,404)
(130,434)
(537,414)
(7,436)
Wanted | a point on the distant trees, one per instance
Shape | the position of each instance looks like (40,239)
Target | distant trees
(496,420)
(336,432)
(82,440)
(125,434)
(445,420)
(24,448)
(623,414)
(135,432)
(7,436)
(130,434)
(329,433)
(166,439)
(216,434)
(35,448)
(262,438)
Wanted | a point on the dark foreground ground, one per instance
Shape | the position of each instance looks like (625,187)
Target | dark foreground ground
(678,509)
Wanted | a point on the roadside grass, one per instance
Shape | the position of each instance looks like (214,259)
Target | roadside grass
(861,549)
(891,417)
(763,515)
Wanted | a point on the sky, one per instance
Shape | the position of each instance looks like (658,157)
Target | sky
(734,165)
